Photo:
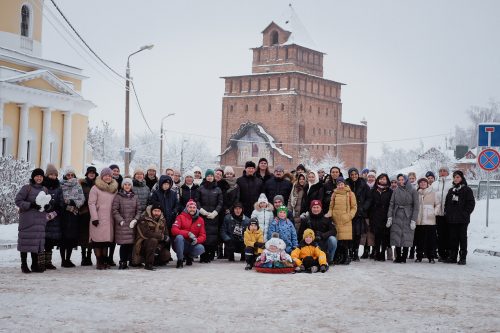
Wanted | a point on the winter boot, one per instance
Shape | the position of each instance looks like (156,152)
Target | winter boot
(220,252)
(397,254)
(389,253)
(405,255)
(180,264)
(412,253)
(365,252)
(347,255)
(100,263)
(355,253)
(189,261)
(230,256)
(452,259)
(48,260)
(35,268)
(150,267)
(24,263)
(123,265)
(463,256)
(248,267)
(41,261)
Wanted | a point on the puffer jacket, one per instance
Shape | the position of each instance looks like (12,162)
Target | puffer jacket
(286,231)
(250,189)
(441,186)
(228,227)
(210,197)
(142,192)
(187,193)
(428,207)
(264,215)
(460,204)
(381,199)
(126,209)
(278,186)
(343,207)
(322,226)
(362,193)
(308,250)
(167,200)
(403,209)
(185,223)
(250,237)
(53,227)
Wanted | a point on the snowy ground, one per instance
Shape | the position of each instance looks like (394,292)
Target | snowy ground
(222,297)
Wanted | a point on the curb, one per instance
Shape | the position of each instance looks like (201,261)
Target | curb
(491,253)
(8,246)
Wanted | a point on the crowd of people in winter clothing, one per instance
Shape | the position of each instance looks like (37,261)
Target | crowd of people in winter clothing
(303,219)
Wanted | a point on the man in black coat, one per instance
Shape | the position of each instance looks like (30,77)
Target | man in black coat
(167,199)
(250,188)
(362,191)
(278,185)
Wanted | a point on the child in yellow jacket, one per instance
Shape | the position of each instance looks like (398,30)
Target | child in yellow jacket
(254,242)
(308,257)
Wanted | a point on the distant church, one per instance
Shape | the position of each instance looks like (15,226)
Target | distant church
(285,109)
(43,114)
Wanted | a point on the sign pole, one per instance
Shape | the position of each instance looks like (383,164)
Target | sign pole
(487,198)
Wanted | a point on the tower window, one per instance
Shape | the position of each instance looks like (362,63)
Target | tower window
(246,108)
(274,38)
(282,107)
(25,21)
(256,107)
(231,108)
(269,107)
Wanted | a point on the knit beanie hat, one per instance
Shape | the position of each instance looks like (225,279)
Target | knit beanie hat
(138,170)
(106,172)
(237,204)
(278,197)
(371,173)
(340,180)
(209,172)
(196,169)
(316,203)
(37,172)
(365,170)
(262,198)
(228,169)
(351,170)
(254,221)
(114,166)
(282,209)
(430,174)
(191,202)
(308,233)
(156,205)
(189,173)
(69,169)
(263,159)
(127,181)
(152,167)
(91,169)
(51,170)
(249,164)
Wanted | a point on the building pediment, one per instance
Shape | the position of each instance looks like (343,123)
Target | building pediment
(42,80)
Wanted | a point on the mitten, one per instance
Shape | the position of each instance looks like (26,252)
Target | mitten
(214,214)
(132,224)
(203,212)
(413,225)
(95,223)
(389,222)
(304,215)
(322,269)
(191,235)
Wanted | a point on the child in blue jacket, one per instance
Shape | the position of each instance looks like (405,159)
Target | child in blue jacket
(285,228)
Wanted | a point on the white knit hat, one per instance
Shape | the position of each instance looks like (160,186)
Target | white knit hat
(262,198)
(197,169)
(371,173)
(152,167)
(69,169)
(276,241)
(228,169)
(127,181)
(138,170)
(189,173)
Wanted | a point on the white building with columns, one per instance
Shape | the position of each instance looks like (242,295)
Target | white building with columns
(43,115)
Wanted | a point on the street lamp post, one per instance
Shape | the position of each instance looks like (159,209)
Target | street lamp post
(161,141)
(182,156)
(127,150)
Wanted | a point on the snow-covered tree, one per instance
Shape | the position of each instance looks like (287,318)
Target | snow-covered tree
(392,160)
(324,163)
(103,142)
(13,175)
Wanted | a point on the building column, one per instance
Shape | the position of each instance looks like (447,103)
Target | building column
(66,146)
(2,109)
(47,125)
(22,145)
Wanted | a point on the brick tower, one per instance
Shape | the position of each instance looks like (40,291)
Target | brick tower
(285,110)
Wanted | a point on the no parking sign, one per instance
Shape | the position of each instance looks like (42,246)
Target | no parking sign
(489,159)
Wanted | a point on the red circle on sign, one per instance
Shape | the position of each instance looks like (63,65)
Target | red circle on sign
(489,159)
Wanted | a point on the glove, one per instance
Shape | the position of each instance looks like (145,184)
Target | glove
(191,235)
(413,225)
(122,223)
(322,269)
(203,212)
(95,223)
(304,215)
(35,205)
(259,245)
(328,215)
(194,242)
(389,222)
(132,224)
(212,215)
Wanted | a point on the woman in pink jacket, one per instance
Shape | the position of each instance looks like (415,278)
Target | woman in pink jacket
(101,230)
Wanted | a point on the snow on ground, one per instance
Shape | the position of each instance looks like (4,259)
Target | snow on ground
(222,297)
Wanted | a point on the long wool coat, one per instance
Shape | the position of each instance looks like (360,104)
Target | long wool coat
(403,209)
(100,205)
(343,207)
(31,236)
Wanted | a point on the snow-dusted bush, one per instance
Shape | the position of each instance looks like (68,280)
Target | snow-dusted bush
(13,175)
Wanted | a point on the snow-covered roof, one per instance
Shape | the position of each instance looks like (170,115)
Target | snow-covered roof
(46,75)
(244,128)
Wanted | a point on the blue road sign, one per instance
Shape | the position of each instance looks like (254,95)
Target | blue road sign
(489,135)
(489,159)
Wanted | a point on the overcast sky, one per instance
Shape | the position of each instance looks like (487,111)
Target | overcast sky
(411,68)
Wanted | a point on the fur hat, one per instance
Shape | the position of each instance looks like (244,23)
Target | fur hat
(91,169)
(51,170)
(209,172)
(309,233)
(459,173)
(189,173)
(316,203)
(152,167)
(279,197)
(262,198)
(275,241)
(282,209)
(229,169)
(106,172)
(250,164)
(138,170)
(127,181)
(37,172)
(114,166)
(423,179)
(444,167)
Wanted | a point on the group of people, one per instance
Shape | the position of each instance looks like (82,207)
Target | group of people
(305,219)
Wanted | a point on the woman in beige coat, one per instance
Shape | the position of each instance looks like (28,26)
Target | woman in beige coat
(343,207)
(425,233)
(101,230)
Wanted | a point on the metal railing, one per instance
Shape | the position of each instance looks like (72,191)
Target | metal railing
(480,187)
